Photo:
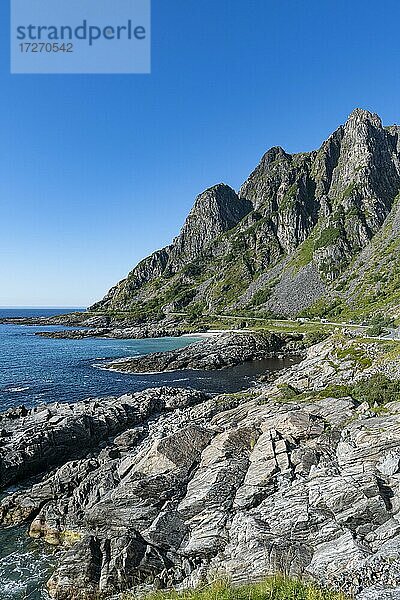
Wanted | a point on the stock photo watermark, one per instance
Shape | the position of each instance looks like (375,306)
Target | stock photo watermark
(80,36)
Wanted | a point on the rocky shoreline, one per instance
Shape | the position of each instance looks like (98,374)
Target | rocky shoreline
(220,352)
(94,326)
(67,320)
(125,333)
(168,487)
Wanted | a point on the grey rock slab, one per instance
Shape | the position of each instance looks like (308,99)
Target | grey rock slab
(180,486)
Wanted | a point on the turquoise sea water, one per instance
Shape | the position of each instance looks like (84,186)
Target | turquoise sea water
(36,370)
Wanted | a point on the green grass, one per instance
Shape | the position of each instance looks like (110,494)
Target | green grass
(304,253)
(327,237)
(289,393)
(356,353)
(240,396)
(274,588)
(377,391)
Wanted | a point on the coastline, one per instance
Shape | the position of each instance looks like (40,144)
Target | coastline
(217,351)
(210,333)
(133,447)
(178,438)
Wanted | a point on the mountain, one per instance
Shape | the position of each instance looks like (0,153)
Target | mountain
(313,233)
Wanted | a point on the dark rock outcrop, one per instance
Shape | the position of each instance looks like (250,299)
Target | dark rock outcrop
(217,352)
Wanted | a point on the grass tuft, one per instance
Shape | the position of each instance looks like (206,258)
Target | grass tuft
(377,390)
(274,588)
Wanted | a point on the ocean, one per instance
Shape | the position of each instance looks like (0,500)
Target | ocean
(36,370)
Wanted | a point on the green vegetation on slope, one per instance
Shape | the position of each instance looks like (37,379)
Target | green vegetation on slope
(274,588)
(371,283)
(377,391)
(328,236)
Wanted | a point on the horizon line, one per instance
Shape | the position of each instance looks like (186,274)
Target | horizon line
(40,306)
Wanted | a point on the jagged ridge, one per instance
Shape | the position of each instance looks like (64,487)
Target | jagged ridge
(284,241)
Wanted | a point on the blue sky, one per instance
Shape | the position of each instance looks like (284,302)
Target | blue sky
(97,171)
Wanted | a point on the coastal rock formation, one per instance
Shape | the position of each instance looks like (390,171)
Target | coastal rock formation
(171,488)
(286,239)
(219,352)
(112,332)
(31,441)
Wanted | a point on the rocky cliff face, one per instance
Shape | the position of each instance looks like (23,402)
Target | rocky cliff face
(215,211)
(285,239)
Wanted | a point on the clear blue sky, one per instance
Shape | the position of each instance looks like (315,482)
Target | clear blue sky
(98,171)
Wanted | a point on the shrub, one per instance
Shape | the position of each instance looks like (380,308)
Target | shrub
(375,331)
(380,319)
(261,296)
(195,312)
(378,324)
(376,390)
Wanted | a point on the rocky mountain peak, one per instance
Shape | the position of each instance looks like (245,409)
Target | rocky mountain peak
(314,210)
(274,153)
(367,175)
(361,115)
(223,202)
(215,211)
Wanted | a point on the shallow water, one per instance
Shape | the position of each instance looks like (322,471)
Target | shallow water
(24,565)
